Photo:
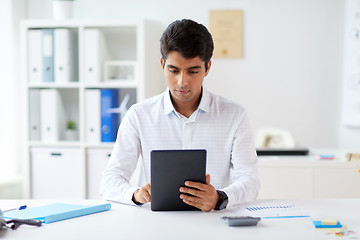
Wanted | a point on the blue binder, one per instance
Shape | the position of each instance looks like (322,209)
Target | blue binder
(109,121)
(56,212)
(48,55)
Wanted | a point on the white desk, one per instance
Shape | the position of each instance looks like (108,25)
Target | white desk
(128,222)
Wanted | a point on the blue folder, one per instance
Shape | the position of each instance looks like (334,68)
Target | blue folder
(56,212)
(109,121)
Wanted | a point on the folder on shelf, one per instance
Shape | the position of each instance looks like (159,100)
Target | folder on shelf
(93,115)
(48,55)
(109,121)
(52,115)
(34,114)
(95,53)
(35,56)
(56,212)
(64,55)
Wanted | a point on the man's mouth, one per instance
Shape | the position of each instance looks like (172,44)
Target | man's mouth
(182,92)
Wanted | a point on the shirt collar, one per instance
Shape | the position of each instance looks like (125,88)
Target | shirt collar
(204,102)
(168,106)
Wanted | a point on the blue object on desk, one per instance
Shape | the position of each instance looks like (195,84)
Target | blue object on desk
(56,212)
(325,156)
(318,224)
(20,208)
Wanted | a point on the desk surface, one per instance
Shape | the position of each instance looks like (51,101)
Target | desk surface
(131,222)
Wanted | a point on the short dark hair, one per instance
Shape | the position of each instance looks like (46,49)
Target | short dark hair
(189,38)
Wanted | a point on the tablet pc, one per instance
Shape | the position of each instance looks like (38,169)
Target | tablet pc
(169,171)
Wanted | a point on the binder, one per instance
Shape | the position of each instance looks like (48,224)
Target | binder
(52,115)
(35,56)
(109,121)
(95,53)
(56,212)
(93,115)
(64,55)
(48,55)
(34,112)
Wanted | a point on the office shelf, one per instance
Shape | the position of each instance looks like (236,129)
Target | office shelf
(132,45)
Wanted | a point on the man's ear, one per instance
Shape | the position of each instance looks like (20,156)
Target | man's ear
(208,68)
(162,62)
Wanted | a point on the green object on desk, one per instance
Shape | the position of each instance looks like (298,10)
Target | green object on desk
(56,212)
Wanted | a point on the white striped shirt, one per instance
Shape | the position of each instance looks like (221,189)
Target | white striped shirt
(218,125)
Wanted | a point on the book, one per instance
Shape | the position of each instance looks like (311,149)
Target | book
(56,212)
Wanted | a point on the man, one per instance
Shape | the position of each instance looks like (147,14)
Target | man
(186,116)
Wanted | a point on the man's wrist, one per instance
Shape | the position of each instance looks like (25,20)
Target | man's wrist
(223,200)
(133,199)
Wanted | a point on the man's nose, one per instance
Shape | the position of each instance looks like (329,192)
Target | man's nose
(182,79)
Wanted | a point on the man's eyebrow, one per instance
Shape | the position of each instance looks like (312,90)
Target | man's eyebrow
(190,68)
(172,66)
(194,67)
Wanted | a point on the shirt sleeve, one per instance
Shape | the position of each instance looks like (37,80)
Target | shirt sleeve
(116,176)
(243,168)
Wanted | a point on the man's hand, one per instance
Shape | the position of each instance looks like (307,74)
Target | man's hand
(204,196)
(143,195)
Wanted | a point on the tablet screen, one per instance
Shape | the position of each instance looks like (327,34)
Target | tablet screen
(169,171)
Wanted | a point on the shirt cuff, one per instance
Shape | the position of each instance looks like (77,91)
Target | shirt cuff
(133,199)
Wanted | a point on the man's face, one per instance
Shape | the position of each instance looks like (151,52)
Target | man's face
(184,76)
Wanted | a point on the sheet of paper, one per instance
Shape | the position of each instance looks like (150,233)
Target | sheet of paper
(276,211)
(226,27)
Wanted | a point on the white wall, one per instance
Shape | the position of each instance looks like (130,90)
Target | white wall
(10,13)
(290,76)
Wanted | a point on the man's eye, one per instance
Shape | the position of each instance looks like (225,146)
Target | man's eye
(173,71)
(193,72)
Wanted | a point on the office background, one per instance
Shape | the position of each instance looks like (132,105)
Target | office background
(290,76)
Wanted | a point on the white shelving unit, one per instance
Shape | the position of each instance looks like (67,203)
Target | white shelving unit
(69,169)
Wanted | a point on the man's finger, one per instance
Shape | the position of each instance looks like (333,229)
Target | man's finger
(190,198)
(194,204)
(147,197)
(202,207)
(148,189)
(197,185)
(192,191)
